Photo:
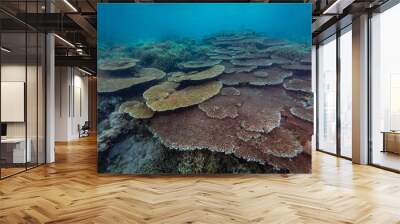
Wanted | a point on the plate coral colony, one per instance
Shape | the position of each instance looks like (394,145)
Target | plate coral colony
(181,95)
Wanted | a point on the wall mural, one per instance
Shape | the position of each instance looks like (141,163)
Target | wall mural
(204,88)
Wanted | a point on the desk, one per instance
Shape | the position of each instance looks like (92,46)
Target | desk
(18,149)
(391,141)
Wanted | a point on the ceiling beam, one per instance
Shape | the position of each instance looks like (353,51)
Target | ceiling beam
(337,7)
(86,26)
(78,61)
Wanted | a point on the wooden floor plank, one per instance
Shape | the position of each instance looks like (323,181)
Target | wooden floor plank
(70,191)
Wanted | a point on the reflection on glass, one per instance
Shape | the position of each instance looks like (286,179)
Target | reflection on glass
(22,92)
(14,153)
(385,84)
(327,96)
(41,99)
(31,101)
(346,93)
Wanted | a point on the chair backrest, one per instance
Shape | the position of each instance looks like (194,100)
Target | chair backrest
(86,125)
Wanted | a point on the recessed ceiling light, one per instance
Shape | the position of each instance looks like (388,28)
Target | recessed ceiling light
(337,7)
(70,5)
(5,50)
(64,40)
(84,71)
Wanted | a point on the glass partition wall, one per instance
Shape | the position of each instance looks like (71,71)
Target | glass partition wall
(334,94)
(13,86)
(22,77)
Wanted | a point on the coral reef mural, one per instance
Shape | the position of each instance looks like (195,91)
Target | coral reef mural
(181,93)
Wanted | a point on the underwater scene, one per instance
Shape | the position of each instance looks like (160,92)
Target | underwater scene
(204,88)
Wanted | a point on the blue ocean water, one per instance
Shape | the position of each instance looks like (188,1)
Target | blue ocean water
(126,23)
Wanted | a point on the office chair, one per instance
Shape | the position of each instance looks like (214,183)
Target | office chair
(84,130)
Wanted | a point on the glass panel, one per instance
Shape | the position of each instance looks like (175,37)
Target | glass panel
(31,98)
(41,99)
(346,93)
(385,87)
(314,79)
(13,87)
(23,90)
(327,96)
(31,87)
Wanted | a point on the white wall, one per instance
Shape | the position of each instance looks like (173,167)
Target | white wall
(14,72)
(62,81)
(80,111)
(71,102)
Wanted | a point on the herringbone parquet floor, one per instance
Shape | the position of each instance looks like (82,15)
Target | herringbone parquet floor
(70,191)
